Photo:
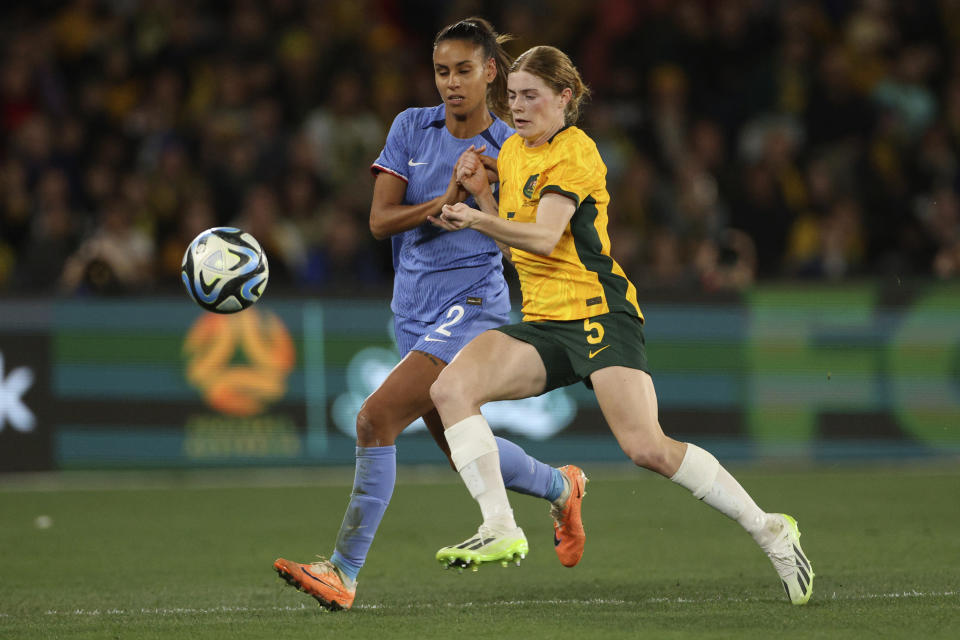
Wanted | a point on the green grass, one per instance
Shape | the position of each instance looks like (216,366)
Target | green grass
(189,556)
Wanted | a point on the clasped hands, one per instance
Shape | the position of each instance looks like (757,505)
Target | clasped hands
(473,172)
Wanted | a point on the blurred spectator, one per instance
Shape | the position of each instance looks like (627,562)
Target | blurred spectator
(343,261)
(744,140)
(905,92)
(729,264)
(281,241)
(344,133)
(197,217)
(828,244)
(17,95)
(16,202)
(940,216)
(300,197)
(665,127)
(115,258)
(54,234)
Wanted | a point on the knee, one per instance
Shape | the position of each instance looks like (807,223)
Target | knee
(370,427)
(649,456)
(445,389)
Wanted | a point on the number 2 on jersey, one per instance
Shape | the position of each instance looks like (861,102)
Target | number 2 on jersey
(455,314)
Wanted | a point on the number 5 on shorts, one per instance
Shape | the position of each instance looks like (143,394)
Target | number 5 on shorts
(594,331)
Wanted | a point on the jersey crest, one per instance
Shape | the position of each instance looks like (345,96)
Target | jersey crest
(529,185)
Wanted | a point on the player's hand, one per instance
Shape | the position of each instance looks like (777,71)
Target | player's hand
(490,164)
(468,162)
(486,162)
(455,191)
(470,170)
(456,217)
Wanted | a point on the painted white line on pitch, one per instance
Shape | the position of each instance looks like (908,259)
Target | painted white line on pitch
(170,611)
(599,601)
(174,611)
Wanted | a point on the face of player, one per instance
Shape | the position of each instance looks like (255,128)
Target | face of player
(537,109)
(462,76)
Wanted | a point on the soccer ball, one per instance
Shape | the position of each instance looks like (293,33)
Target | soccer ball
(224,270)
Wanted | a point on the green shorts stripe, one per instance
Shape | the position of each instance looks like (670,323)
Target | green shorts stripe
(573,349)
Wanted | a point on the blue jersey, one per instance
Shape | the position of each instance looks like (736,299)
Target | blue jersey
(435,268)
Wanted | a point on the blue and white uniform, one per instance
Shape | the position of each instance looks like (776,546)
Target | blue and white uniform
(448,287)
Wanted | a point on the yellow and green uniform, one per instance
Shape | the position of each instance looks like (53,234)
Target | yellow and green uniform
(580,311)
(579,279)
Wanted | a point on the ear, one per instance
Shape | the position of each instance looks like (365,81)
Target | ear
(566,96)
(490,70)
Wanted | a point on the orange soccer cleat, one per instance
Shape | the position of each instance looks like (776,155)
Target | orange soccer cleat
(568,534)
(319,579)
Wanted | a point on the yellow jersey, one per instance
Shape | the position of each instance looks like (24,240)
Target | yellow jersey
(579,279)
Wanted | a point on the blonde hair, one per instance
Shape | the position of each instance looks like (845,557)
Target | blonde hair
(554,67)
(481,33)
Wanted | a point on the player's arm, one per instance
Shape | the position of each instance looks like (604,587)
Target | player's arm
(488,205)
(475,173)
(388,216)
(539,237)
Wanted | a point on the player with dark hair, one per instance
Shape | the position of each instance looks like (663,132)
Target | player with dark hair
(448,289)
(581,322)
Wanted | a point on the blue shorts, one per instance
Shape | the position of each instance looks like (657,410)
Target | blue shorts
(453,329)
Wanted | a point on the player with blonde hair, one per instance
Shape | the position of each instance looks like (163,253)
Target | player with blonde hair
(581,322)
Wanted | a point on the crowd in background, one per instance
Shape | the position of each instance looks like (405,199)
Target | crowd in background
(745,139)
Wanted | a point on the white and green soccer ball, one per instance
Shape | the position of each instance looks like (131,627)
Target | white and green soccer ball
(224,270)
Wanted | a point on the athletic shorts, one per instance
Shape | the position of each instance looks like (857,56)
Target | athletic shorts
(573,349)
(444,337)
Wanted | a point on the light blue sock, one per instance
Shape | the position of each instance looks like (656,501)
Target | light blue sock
(525,474)
(373,484)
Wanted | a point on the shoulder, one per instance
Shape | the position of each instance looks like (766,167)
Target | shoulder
(512,143)
(501,130)
(573,144)
(416,118)
(572,138)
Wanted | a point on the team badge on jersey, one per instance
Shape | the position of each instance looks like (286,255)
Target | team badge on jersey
(530,184)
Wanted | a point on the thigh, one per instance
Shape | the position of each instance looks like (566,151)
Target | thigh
(629,404)
(494,366)
(550,342)
(399,400)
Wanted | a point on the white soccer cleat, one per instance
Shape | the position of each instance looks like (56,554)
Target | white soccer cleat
(788,558)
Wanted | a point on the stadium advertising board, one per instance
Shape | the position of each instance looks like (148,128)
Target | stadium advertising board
(25,425)
(809,372)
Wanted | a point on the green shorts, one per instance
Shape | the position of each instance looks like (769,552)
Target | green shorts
(573,349)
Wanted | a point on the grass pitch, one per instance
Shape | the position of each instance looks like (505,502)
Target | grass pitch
(189,556)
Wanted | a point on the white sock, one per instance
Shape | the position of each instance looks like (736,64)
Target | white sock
(474,453)
(707,480)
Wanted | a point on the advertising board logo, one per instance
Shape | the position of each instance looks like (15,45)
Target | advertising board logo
(240,362)
(12,407)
